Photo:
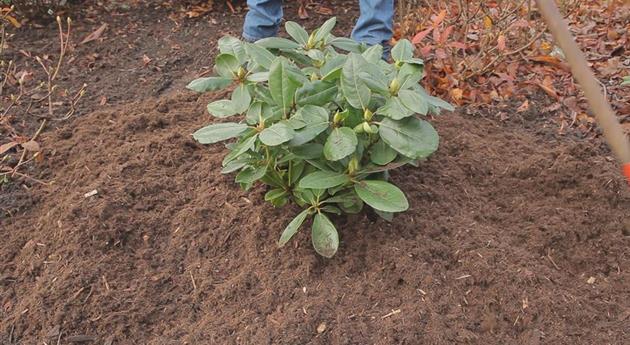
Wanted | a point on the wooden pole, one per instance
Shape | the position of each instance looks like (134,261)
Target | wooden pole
(604,114)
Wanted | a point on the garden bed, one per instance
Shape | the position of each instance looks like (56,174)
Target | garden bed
(514,235)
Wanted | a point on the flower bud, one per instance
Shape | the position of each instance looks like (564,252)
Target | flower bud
(394,86)
(314,77)
(353,165)
(367,115)
(337,118)
(366,127)
(359,128)
(241,73)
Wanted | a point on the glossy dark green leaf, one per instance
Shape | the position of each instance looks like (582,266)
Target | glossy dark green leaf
(282,87)
(382,154)
(251,174)
(341,143)
(316,93)
(324,236)
(403,50)
(323,180)
(411,137)
(241,99)
(277,134)
(226,65)
(373,53)
(309,151)
(382,195)
(240,149)
(414,101)
(316,122)
(353,87)
(233,46)
(209,84)
(308,114)
(394,109)
(325,29)
(258,77)
(219,132)
(387,216)
(292,228)
(277,43)
(346,44)
(222,108)
(296,32)
(260,55)
(275,194)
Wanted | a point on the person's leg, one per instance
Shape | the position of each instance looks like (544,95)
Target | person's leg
(262,19)
(375,24)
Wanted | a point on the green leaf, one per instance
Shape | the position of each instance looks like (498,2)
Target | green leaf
(209,84)
(331,209)
(414,101)
(411,137)
(388,216)
(281,86)
(324,236)
(218,132)
(251,174)
(241,99)
(373,53)
(375,79)
(296,32)
(260,55)
(382,154)
(233,166)
(331,69)
(403,50)
(292,228)
(325,29)
(275,194)
(309,151)
(226,65)
(258,77)
(352,86)
(409,76)
(323,180)
(277,134)
(316,93)
(240,149)
(308,114)
(222,108)
(316,120)
(316,54)
(277,43)
(233,46)
(394,109)
(382,195)
(346,44)
(341,143)
(626,80)
(436,102)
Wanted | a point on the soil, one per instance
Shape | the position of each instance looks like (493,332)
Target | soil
(514,236)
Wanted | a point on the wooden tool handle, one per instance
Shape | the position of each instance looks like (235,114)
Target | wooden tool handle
(604,114)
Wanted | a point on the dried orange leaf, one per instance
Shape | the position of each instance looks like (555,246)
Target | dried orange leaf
(31,145)
(6,147)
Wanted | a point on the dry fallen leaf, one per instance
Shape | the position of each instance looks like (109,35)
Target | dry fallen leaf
(31,145)
(6,147)
(523,107)
(95,35)
(302,13)
(321,328)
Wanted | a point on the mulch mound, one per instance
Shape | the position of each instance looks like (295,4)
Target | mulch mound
(512,237)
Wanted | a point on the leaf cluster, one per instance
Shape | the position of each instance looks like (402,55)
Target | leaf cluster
(325,119)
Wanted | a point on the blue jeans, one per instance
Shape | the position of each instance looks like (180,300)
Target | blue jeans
(374,26)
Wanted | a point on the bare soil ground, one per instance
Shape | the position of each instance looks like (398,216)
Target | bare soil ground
(514,236)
